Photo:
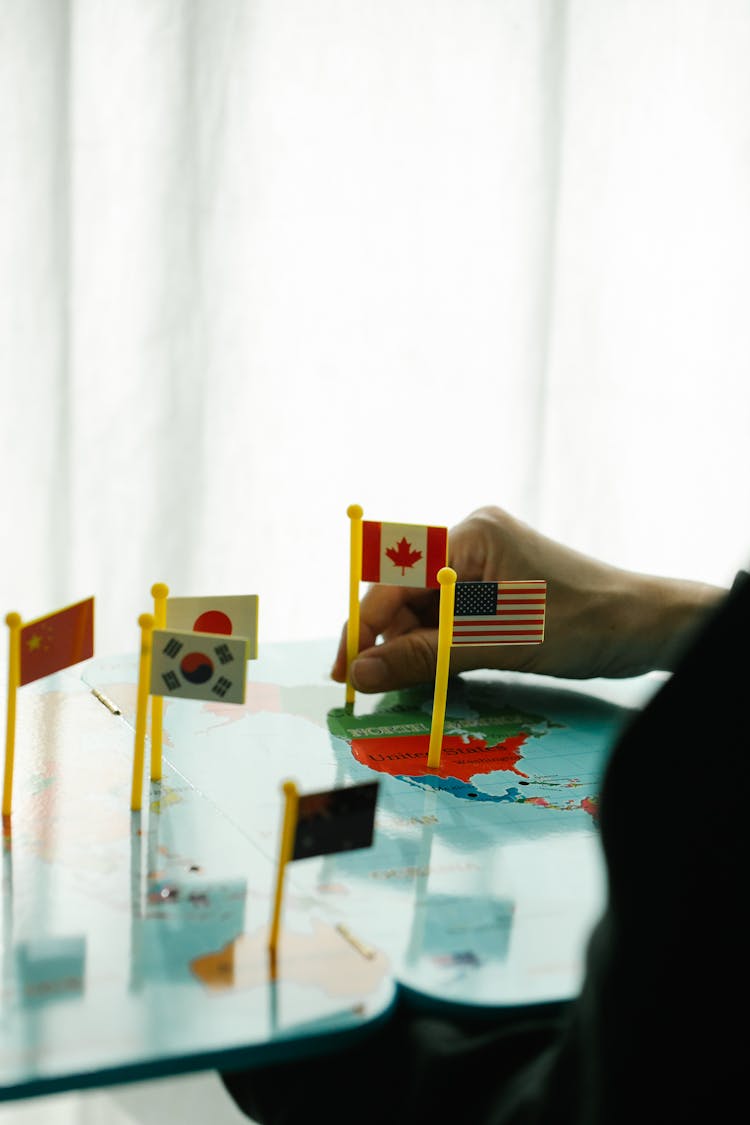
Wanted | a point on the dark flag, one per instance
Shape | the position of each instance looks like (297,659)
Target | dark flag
(337,820)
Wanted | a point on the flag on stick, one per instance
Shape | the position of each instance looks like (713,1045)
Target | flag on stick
(230,615)
(225,615)
(39,648)
(499,613)
(51,643)
(334,820)
(481,613)
(191,665)
(354,513)
(390,554)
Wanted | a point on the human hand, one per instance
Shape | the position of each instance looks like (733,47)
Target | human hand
(600,620)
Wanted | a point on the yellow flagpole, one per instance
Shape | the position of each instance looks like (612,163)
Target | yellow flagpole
(146,622)
(447,579)
(13,621)
(354,513)
(160,593)
(285,850)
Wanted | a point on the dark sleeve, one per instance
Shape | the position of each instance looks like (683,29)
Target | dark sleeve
(740,578)
(651,1037)
(416,1068)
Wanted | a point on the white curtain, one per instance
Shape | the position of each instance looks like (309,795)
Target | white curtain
(262,259)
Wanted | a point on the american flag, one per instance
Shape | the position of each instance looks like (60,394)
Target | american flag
(499,613)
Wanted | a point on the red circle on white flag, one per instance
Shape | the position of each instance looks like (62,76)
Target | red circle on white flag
(213,621)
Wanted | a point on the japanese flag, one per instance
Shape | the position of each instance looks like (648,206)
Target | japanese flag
(231,614)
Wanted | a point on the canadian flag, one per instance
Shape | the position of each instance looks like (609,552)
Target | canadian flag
(403,554)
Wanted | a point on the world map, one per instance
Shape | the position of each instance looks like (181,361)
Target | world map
(480,887)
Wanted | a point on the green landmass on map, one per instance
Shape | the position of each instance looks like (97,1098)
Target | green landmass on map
(395,740)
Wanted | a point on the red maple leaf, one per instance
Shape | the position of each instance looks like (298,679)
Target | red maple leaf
(402,555)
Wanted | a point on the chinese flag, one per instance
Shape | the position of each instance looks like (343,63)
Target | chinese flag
(52,643)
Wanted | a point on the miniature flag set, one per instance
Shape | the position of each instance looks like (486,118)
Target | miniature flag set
(471,613)
(198,648)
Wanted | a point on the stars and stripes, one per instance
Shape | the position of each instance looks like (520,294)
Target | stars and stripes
(499,613)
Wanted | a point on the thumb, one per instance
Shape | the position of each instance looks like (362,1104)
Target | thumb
(406,660)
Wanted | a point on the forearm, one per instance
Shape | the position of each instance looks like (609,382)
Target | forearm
(601,620)
(651,621)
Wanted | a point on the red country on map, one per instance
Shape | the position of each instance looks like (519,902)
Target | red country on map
(461,757)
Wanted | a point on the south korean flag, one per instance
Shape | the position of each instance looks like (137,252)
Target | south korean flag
(208,666)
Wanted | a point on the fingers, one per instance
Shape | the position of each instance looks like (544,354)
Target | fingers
(468,549)
(405,661)
(411,659)
(490,544)
(406,619)
(388,612)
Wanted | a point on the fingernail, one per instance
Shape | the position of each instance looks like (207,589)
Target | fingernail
(368,673)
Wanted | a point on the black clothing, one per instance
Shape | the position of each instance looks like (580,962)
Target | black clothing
(657,1033)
